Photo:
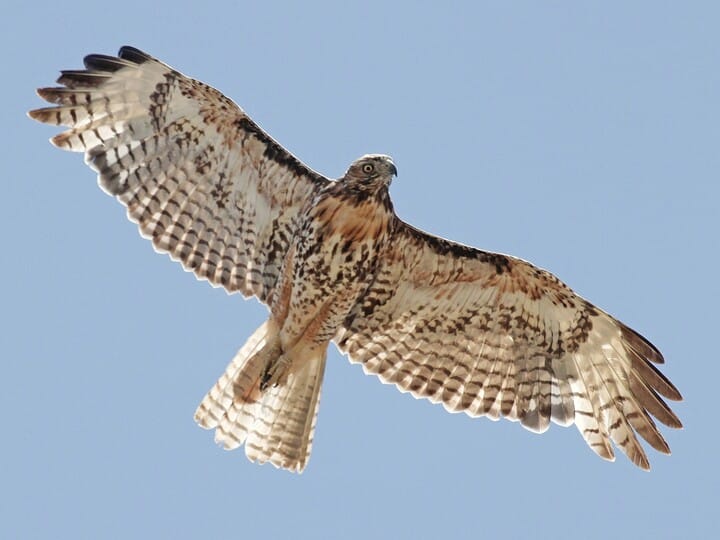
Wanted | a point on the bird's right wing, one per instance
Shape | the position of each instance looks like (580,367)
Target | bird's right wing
(196,174)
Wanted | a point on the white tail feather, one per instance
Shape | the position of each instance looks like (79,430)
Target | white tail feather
(220,397)
(275,424)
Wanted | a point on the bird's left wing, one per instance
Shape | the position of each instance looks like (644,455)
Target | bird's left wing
(196,174)
(492,335)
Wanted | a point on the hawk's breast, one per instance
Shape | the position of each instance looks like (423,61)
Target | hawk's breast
(333,261)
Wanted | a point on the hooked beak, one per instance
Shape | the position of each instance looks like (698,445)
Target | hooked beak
(393,169)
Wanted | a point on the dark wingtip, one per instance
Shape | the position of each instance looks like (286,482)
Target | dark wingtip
(51,95)
(103,62)
(132,54)
(642,345)
(81,79)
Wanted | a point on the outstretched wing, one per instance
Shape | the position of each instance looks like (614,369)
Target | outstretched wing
(492,335)
(196,174)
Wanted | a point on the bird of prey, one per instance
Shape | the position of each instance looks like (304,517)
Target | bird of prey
(483,333)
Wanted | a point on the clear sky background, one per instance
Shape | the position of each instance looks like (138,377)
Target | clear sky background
(580,136)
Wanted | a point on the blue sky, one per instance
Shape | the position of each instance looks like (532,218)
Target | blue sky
(580,136)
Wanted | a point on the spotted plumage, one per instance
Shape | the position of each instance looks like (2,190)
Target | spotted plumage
(479,332)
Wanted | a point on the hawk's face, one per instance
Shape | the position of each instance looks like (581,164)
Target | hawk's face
(371,172)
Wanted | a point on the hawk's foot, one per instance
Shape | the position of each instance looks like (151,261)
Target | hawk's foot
(275,372)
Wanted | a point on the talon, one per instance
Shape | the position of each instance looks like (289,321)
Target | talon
(265,378)
(275,373)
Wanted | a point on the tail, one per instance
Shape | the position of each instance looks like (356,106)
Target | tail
(276,423)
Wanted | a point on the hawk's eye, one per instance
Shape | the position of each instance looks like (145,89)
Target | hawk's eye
(368,168)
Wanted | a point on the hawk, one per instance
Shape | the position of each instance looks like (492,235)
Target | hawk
(482,333)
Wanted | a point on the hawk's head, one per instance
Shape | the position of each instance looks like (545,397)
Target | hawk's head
(371,173)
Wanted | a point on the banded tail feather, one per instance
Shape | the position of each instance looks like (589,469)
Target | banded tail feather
(275,422)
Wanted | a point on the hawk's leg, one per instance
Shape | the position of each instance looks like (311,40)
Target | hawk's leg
(275,372)
(260,369)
